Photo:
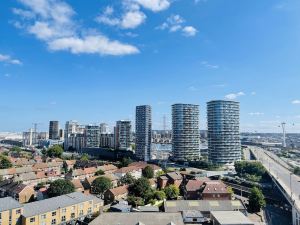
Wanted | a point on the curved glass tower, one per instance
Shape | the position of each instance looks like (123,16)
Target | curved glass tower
(223,123)
(186,134)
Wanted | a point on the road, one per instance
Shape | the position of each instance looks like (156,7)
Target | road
(288,181)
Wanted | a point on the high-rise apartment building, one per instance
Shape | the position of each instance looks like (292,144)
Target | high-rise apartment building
(223,121)
(54,130)
(123,135)
(92,136)
(143,132)
(71,128)
(185,132)
(104,128)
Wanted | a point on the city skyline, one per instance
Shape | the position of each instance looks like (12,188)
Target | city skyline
(174,52)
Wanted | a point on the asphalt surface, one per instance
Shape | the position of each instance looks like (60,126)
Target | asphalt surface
(289,181)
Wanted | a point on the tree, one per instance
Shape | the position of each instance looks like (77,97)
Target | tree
(100,185)
(125,162)
(99,172)
(148,172)
(172,192)
(141,187)
(159,195)
(60,187)
(55,151)
(127,179)
(256,200)
(16,149)
(85,157)
(4,162)
(135,201)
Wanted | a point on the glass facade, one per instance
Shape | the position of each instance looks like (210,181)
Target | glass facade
(223,122)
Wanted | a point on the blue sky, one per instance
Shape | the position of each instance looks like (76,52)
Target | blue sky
(94,61)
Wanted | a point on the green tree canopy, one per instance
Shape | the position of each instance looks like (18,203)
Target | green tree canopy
(55,151)
(141,187)
(60,187)
(100,185)
(99,172)
(172,192)
(148,172)
(159,195)
(252,168)
(4,162)
(16,149)
(135,201)
(127,179)
(85,157)
(256,200)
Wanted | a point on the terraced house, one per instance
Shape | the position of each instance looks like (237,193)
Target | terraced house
(61,210)
(10,211)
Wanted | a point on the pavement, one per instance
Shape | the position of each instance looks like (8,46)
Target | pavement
(288,181)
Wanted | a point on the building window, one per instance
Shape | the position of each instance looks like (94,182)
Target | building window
(63,218)
(32,220)
(89,210)
(53,213)
(43,223)
(0,216)
(72,215)
(43,217)
(64,210)
(81,213)
(18,211)
(53,222)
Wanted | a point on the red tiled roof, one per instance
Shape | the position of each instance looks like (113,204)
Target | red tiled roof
(215,187)
(119,190)
(127,169)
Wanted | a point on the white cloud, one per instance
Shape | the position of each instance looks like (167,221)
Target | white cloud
(154,5)
(295,102)
(253,93)
(175,23)
(256,114)
(53,23)
(131,19)
(189,31)
(211,66)
(192,88)
(9,60)
(233,96)
(92,45)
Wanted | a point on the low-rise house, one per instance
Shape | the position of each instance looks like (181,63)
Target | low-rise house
(108,169)
(69,164)
(81,174)
(61,210)
(142,165)
(121,207)
(215,190)
(133,170)
(52,167)
(78,186)
(172,178)
(192,189)
(20,192)
(138,218)
(116,194)
(193,216)
(10,211)
(87,183)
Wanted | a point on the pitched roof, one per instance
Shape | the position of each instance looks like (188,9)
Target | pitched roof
(119,190)
(193,185)
(174,175)
(214,187)
(127,169)
(77,183)
(9,203)
(52,204)
(70,162)
(107,167)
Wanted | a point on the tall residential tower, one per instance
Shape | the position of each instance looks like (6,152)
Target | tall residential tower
(54,130)
(223,122)
(143,130)
(123,135)
(186,133)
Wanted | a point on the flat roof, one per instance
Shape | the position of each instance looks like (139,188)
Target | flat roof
(9,203)
(203,205)
(52,204)
(148,218)
(232,218)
